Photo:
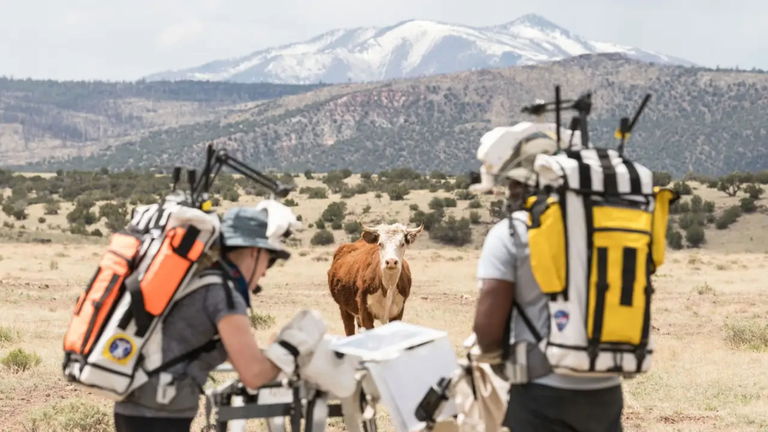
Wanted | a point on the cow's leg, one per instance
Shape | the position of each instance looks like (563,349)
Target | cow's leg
(366,318)
(349,321)
(399,316)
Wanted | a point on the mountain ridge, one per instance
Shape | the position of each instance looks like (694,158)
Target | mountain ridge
(699,120)
(408,49)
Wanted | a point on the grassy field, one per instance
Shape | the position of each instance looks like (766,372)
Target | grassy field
(710,370)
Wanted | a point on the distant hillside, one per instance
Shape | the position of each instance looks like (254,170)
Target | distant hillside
(50,118)
(699,120)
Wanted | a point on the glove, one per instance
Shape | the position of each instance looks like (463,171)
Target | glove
(296,341)
(332,373)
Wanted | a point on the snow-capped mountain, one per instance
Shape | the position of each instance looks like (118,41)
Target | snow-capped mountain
(408,49)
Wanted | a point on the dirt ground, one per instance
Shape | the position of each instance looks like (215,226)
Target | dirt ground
(697,383)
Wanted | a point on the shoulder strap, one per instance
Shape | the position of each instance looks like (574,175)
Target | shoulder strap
(189,355)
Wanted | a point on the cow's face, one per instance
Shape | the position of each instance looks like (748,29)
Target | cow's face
(392,241)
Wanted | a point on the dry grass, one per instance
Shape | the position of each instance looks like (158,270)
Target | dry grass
(749,334)
(19,360)
(73,415)
(706,300)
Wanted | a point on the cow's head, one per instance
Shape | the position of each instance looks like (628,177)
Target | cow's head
(392,240)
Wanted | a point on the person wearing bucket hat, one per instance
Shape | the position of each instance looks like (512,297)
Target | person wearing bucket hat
(510,302)
(211,325)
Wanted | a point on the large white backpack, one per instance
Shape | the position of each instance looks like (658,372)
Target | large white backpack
(596,235)
(114,339)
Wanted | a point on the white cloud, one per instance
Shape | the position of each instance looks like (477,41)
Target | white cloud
(180,33)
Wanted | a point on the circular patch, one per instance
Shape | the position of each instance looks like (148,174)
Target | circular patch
(119,349)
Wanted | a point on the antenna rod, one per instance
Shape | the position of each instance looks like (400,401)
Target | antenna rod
(639,111)
(557,114)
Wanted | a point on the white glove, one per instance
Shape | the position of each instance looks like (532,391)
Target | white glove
(332,373)
(296,341)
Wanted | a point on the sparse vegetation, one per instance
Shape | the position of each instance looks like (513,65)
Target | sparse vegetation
(8,335)
(73,415)
(748,334)
(322,238)
(261,321)
(19,360)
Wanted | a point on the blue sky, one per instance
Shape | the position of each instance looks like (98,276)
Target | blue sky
(88,39)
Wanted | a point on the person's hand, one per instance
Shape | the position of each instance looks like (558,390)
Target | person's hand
(296,341)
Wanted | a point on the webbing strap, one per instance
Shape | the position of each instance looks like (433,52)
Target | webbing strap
(601,287)
(643,346)
(189,355)
(635,187)
(628,275)
(528,322)
(138,311)
(610,186)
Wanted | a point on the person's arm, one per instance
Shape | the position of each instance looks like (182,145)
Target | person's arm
(254,368)
(492,312)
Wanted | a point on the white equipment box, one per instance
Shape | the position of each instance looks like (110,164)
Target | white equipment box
(404,361)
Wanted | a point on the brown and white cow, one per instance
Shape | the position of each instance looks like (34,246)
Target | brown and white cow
(370,279)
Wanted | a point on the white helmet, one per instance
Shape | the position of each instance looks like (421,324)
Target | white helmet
(509,152)
(264,226)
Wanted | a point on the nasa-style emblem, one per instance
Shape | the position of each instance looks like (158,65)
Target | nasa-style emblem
(561,319)
(119,349)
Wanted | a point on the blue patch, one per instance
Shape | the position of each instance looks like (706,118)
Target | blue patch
(561,319)
(120,348)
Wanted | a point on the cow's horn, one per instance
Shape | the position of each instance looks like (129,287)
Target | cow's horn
(416,230)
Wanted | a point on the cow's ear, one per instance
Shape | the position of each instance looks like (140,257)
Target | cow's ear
(371,237)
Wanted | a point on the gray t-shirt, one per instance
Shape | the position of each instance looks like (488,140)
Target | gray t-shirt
(506,258)
(190,324)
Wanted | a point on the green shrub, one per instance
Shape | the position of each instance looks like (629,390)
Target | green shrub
(8,335)
(366,209)
(679,207)
(334,212)
(475,204)
(321,238)
(115,214)
(353,228)
(731,184)
(694,235)
(754,191)
(661,178)
(437,175)
(709,206)
(397,192)
(682,188)
(696,204)
(747,205)
(71,415)
(52,208)
(497,210)
(308,175)
(82,213)
(366,175)
(464,195)
(96,233)
(674,238)
(452,231)
(449,202)
(314,192)
(290,203)
(261,321)
(320,224)
(19,360)
(15,208)
(41,220)
(413,207)
(436,203)
(727,217)
(751,335)
(336,225)
(474,217)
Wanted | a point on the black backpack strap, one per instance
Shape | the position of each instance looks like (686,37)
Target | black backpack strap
(189,355)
